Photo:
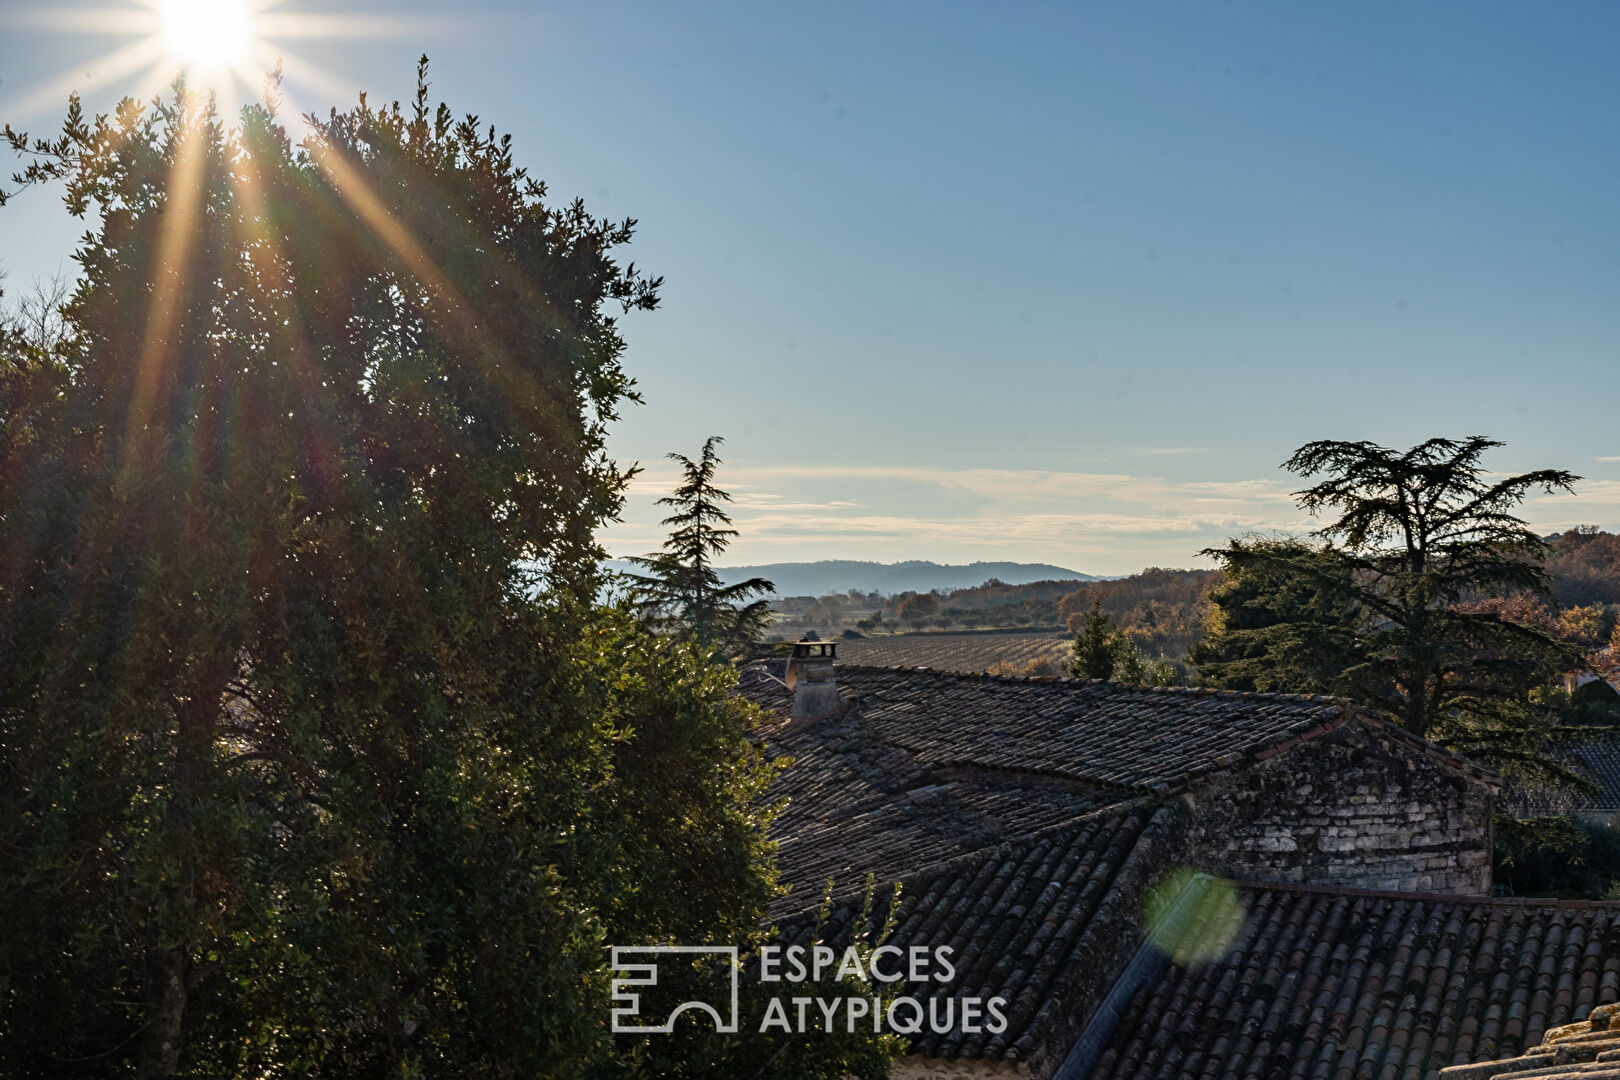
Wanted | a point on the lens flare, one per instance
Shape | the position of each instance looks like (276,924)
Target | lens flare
(227,48)
(207,35)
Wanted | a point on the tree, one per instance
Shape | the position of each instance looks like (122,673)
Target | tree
(1095,650)
(1275,628)
(917,608)
(681,587)
(1102,650)
(1584,566)
(316,756)
(1418,533)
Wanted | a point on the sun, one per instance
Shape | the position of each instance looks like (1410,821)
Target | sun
(228,48)
(207,35)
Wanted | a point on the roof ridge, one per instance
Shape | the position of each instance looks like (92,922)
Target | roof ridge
(1450,898)
(1067,680)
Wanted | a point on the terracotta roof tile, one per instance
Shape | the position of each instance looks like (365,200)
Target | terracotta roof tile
(1128,738)
(1021,919)
(857,805)
(1601,762)
(1338,983)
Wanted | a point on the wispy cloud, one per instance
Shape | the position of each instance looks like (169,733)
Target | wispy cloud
(1099,522)
(1106,521)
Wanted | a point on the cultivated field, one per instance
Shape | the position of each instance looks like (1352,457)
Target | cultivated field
(955,652)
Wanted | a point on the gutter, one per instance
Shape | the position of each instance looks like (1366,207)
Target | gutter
(1146,967)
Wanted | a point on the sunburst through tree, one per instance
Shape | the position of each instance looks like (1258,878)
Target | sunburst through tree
(225,47)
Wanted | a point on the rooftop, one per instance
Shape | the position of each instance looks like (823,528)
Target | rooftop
(1024,819)
(1119,737)
(1030,920)
(934,765)
(1341,983)
(1601,762)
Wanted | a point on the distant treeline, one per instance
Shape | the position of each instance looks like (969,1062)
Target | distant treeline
(1165,611)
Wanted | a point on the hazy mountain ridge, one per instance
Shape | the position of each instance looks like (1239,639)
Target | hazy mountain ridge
(841,575)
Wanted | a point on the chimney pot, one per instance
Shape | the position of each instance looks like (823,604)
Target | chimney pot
(814,683)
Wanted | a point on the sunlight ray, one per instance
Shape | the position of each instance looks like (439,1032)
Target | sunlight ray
(288,25)
(353,189)
(117,63)
(107,20)
(207,34)
(302,73)
(270,265)
(221,45)
(170,265)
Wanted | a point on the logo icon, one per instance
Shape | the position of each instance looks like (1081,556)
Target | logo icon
(627,1002)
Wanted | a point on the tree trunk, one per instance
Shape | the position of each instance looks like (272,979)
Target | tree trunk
(180,914)
(166,1013)
(1418,697)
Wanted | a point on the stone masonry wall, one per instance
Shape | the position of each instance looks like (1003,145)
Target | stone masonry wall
(1358,807)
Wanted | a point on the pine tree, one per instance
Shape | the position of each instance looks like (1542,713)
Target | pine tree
(1096,648)
(681,589)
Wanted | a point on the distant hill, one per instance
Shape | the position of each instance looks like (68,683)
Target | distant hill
(841,575)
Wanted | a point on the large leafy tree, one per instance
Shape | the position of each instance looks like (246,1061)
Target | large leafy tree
(1284,618)
(316,757)
(681,588)
(1378,611)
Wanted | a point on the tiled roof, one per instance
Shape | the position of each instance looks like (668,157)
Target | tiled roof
(1589,1049)
(1025,819)
(856,805)
(1033,921)
(1128,738)
(1336,984)
(1598,761)
(1601,762)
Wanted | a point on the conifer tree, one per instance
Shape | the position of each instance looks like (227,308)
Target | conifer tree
(681,589)
(1378,611)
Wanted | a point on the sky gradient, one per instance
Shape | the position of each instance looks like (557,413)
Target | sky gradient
(1058,283)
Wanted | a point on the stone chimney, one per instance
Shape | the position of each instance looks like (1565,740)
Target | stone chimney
(811,678)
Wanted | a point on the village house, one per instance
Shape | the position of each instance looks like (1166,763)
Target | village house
(1313,880)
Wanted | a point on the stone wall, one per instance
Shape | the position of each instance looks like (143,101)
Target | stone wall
(1359,806)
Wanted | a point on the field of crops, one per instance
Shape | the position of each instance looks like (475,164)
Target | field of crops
(955,652)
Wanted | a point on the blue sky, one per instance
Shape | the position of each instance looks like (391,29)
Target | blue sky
(1058,283)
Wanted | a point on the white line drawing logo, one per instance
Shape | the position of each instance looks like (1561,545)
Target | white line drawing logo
(627,1004)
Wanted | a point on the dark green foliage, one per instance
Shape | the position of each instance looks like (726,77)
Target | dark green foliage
(316,758)
(693,1052)
(1420,533)
(681,589)
(1273,627)
(1596,698)
(1103,651)
(1095,648)
(1558,856)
